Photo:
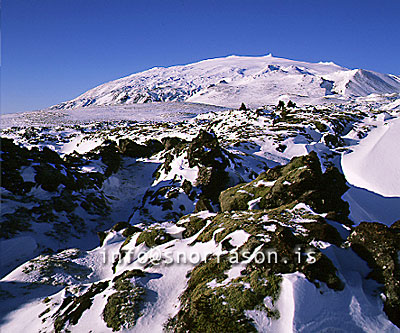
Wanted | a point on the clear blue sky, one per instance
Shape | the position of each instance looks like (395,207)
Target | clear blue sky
(54,50)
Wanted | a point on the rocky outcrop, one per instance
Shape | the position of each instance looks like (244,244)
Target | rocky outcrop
(279,235)
(124,305)
(72,308)
(301,180)
(65,188)
(132,149)
(204,151)
(379,246)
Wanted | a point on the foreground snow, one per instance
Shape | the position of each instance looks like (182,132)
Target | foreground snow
(374,163)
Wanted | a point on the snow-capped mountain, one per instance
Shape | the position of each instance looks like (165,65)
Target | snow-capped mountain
(232,80)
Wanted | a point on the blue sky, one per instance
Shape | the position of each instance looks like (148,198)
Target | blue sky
(54,50)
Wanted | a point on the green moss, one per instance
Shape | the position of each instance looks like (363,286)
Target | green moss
(193,225)
(379,246)
(123,307)
(130,230)
(229,222)
(235,198)
(320,126)
(222,309)
(120,226)
(127,241)
(301,180)
(153,236)
(213,268)
(207,313)
(284,238)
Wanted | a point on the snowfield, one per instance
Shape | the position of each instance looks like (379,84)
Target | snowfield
(136,112)
(374,163)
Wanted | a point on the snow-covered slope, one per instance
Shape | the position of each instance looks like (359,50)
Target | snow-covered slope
(374,163)
(232,80)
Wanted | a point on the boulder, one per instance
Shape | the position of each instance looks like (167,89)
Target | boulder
(379,246)
(300,181)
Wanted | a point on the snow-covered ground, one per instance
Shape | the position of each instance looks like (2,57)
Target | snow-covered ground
(359,135)
(169,111)
(374,162)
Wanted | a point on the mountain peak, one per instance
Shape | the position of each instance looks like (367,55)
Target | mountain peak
(231,80)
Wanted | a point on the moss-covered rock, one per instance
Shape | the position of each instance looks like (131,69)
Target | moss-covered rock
(221,307)
(203,204)
(187,187)
(65,202)
(16,222)
(153,236)
(193,224)
(49,177)
(123,307)
(301,180)
(13,158)
(102,236)
(379,246)
(49,269)
(320,126)
(321,230)
(130,230)
(204,152)
(284,239)
(285,233)
(333,141)
(238,197)
(120,226)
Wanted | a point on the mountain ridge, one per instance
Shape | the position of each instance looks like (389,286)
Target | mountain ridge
(228,81)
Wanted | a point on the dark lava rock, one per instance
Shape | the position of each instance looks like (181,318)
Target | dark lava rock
(379,245)
(203,204)
(132,149)
(49,177)
(333,141)
(187,186)
(110,156)
(301,180)
(172,142)
(323,231)
(204,151)
(13,158)
(396,226)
